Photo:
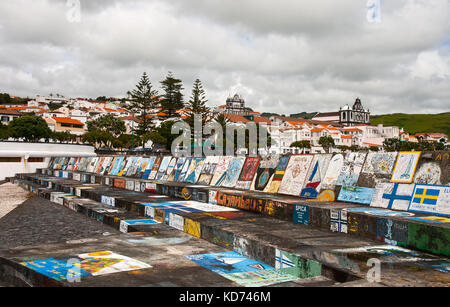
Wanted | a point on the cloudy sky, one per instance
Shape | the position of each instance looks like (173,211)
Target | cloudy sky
(283,56)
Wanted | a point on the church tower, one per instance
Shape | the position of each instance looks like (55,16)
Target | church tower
(235,105)
(351,116)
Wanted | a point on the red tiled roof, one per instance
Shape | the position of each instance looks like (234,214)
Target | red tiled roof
(9,112)
(261,119)
(236,118)
(65,120)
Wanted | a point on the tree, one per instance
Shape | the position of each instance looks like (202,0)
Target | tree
(302,144)
(5,98)
(374,148)
(98,139)
(4,132)
(155,137)
(108,123)
(165,131)
(354,148)
(31,128)
(326,142)
(53,106)
(391,145)
(172,99)
(197,106)
(124,141)
(143,99)
(63,137)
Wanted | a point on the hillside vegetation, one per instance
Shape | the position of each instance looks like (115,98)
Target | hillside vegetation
(415,123)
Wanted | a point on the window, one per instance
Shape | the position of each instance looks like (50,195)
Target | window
(10,159)
(35,160)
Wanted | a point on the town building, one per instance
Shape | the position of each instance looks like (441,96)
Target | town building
(8,115)
(347,116)
(236,105)
(354,115)
(62,124)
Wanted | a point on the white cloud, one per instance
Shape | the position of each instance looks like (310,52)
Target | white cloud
(283,56)
(429,65)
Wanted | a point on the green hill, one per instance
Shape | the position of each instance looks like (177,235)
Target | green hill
(304,115)
(415,123)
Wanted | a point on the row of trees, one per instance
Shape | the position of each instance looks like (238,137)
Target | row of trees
(108,130)
(5,98)
(32,128)
(327,142)
(144,98)
(398,145)
(390,145)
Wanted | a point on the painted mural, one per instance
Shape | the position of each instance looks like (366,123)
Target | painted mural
(177,171)
(433,199)
(351,168)
(265,172)
(294,265)
(117,166)
(433,168)
(163,168)
(149,167)
(315,176)
(194,171)
(359,195)
(274,183)
(140,170)
(243,271)
(90,264)
(378,168)
(392,196)
(380,212)
(129,167)
(220,171)
(170,169)
(234,170)
(333,172)
(248,173)
(155,168)
(295,174)
(125,223)
(392,253)
(208,170)
(184,169)
(405,167)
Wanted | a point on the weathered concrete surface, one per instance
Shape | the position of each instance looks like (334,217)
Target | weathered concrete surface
(313,250)
(11,196)
(166,258)
(38,221)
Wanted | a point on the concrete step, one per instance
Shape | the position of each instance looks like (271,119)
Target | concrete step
(417,232)
(309,252)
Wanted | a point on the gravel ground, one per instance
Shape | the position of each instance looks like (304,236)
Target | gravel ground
(38,221)
(11,196)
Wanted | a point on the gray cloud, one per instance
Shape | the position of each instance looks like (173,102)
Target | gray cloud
(283,56)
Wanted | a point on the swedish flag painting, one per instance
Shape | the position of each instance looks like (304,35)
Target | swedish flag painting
(427,198)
